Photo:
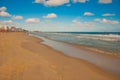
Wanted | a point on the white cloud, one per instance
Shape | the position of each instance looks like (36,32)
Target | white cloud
(81,1)
(17,17)
(4,14)
(88,14)
(108,14)
(83,24)
(32,20)
(39,1)
(52,2)
(106,21)
(7,22)
(3,8)
(61,2)
(105,1)
(52,15)
(56,2)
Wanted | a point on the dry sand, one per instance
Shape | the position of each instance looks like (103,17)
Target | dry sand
(23,58)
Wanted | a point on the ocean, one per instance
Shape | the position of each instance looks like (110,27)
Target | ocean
(104,41)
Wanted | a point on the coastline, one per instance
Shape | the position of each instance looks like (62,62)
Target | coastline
(33,60)
(106,62)
(91,49)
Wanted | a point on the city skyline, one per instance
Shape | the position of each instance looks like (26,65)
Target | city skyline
(62,15)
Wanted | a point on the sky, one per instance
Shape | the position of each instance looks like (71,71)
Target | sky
(62,15)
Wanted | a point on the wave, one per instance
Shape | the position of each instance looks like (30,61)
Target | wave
(110,37)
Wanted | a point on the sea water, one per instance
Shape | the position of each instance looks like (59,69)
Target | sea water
(107,63)
(105,41)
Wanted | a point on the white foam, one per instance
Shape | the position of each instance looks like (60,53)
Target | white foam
(110,37)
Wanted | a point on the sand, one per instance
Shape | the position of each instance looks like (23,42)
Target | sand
(24,58)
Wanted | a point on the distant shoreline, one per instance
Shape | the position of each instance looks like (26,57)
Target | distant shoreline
(84,32)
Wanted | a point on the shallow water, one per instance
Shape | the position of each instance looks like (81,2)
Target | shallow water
(107,63)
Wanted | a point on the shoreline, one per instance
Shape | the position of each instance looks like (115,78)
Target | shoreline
(88,48)
(91,65)
(79,68)
(95,50)
(91,49)
(94,54)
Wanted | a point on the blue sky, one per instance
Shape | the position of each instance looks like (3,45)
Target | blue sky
(61,15)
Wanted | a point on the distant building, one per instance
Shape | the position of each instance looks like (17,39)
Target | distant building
(11,29)
(0,25)
(4,29)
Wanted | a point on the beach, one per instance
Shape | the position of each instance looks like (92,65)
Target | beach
(24,57)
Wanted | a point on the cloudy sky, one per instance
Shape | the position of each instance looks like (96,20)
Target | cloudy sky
(61,15)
